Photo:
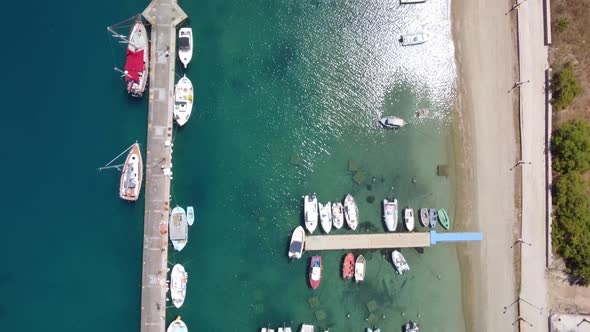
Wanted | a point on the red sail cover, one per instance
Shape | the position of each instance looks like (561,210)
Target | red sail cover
(134,65)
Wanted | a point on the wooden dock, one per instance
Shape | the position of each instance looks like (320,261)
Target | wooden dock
(164,16)
(367,241)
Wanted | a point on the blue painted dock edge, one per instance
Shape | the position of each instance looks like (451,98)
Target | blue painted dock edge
(454,237)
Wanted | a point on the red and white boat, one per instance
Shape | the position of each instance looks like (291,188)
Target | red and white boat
(315,271)
(348,266)
(132,175)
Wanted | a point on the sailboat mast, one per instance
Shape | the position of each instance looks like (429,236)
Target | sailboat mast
(123,38)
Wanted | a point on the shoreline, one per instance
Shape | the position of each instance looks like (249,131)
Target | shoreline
(484,149)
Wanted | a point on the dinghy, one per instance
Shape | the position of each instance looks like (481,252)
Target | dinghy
(409,218)
(183,100)
(132,175)
(424,217)
(351,212)
(190,215)
(348,266)
(326,216)
(178,228)
(178,280)
(177,325)
(310,210)
(399,262)
(359,268)
(338,215)
(185,45)
(433,218)
(390,214)
(444,219)
(392,122)
(297,243)
(315,271)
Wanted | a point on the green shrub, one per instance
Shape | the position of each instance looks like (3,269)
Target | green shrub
(561,24)
(570,145)
(565,87)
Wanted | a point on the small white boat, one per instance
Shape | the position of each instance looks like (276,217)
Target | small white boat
(392,122)
(297,243)
(306,328)
(183,100)
(178,228)
(390,214)
(359,268)
(177,326)
(132,175)
(185,45)
(411,327)
(178,280)
(310,210)
(399,262)
(190,215)
(337,215)
(326,216)
(409,2)
(414,38)
(409,219)
(351,212)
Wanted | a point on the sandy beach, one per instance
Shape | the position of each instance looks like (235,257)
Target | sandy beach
(486,146)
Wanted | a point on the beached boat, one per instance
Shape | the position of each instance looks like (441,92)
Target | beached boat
(310,210)
(177,325)
(348,266)
(359,268)
(424,217)
(411,327)
(337,215)
(178,228)
(315,271)
(132,175)
(414,38)
(306,328)
(392,122)
(433,218)
(351,212)
(183,100)
(444,219)
(297,243)
(409,219)
(326,216)
(178,280)
(399,262)
(390,214)
(185,45)
(190,215)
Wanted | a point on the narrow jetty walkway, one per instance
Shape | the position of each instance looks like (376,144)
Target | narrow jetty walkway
(385,240)
(164,16)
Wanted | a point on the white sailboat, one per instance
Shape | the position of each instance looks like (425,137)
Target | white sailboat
(177,326)
(351,212)
(399,262)
(390,214)
(132,175)
(409,219)
(183,100)
(178,228)
(185,45)
(310,210)
(326,216)
(190,215)
(297,243)
(337,215)
(178,280)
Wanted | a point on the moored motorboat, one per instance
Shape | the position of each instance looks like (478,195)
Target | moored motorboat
(411,327)
(178,280)
(337,215)
(326,216)
(185,45)
(390,214)
(178,228)
(444,219)
(359,268)
(132,175)
(310,210)
(409,219)
(306,328)
(177,325)
(424,217)
(315,271)
(190,215)
(183,100)
(348,266)
(433,214)
(392,122)
(414,38)
(399,262)
(297,243)
(351,212)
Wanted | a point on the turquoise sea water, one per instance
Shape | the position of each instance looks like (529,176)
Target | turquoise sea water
(287,93)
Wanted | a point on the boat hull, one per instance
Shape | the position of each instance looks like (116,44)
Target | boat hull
(338,215)
(315,271)
(183,101)
(390,214)
(136,73)
(359,268)
(185,52)
(326,216)
(424,217)
(409,219)
(399,262)
(443,218)
(178,282)
(132,175)
(178,228)
(392,122)
(348,266)
(297,243)
(433,217)
(177,326)
(190,215)
(351,212)
(310,210)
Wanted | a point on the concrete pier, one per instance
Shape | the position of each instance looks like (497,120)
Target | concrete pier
(164,16)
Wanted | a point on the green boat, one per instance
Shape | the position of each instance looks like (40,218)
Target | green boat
(443,218)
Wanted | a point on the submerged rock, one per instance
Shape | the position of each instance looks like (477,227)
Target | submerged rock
(353,166)
(296,159)
(321,315)
(359,177)
(314,302)
(370,199)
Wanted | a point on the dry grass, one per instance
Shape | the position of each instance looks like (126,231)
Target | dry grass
(571,45)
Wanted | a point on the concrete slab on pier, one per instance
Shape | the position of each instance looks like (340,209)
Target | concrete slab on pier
(367,241)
